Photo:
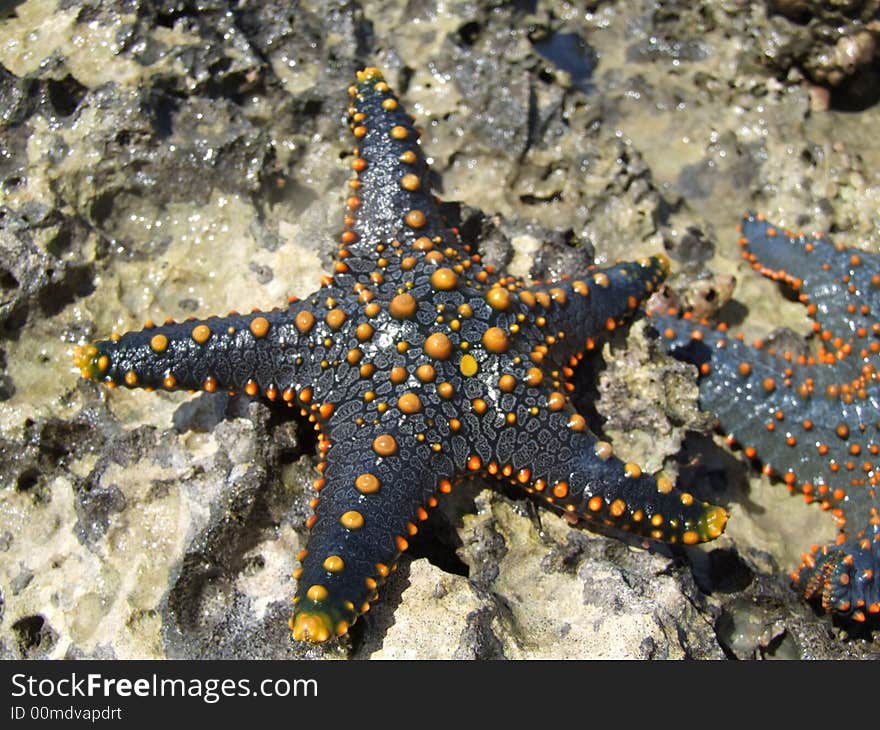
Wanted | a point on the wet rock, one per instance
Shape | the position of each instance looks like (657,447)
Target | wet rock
(633,377)
(36,270)
(556,592)
(833,44)
(33,638)
(446,610)
(602,600)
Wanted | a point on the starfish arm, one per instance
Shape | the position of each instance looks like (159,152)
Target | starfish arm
(843,576)
(374,489)
(839,286)
(578,474)
(261,352)
(576,310)
(391,198)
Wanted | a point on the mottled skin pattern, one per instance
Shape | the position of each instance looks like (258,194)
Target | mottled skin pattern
(419,365)
(813,421)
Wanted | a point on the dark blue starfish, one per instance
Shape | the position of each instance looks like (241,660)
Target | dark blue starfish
(813,421)
(419,365)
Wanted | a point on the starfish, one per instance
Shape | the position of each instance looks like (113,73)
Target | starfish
(814,421)
(419,365)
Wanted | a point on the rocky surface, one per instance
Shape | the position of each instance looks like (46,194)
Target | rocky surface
(159,160)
